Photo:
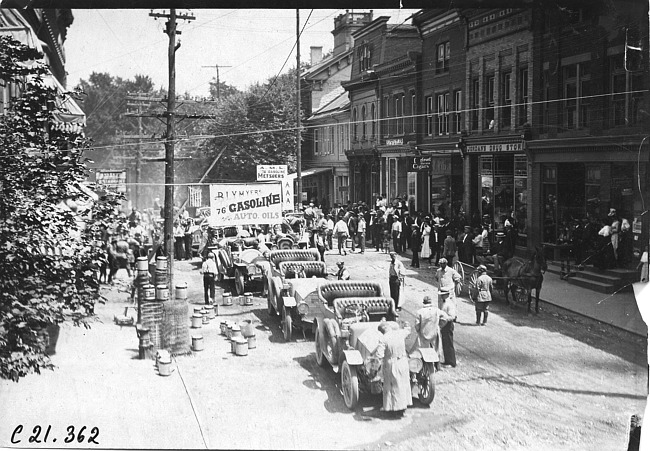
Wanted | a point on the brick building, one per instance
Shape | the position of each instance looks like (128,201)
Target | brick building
(382,91)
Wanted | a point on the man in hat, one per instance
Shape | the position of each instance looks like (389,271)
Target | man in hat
(427,326)
(209,271)
(449,248)
(416,245)
(342,273)
(466,246)
(484,295)
(448,281)
(396,233)
(396,274)
(510,240)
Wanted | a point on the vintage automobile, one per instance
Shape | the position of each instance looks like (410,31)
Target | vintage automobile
(347,335)
(238,258)
(296,299)
(291,233)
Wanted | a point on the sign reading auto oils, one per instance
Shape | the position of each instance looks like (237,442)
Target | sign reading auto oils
(245,203)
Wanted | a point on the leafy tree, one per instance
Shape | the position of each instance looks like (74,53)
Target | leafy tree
(47,256)
(221,90)
(255,127)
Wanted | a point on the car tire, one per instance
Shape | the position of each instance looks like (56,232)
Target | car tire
(321,360)
(426,385)
(349,385)
(240,282)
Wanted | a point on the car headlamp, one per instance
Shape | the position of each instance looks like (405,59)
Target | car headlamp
(303,308)
(415,365)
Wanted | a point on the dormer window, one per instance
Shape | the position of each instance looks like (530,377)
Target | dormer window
(365,57)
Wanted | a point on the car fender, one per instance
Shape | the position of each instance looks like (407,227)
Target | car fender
(353,357)
(289,301)
(429,355)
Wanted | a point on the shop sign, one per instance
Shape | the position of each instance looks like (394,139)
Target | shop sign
(395,142)
(500,147)
(420,164)
(112,180)
(245,203)
(271,172)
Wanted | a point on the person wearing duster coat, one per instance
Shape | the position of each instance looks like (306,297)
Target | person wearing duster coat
(391,351)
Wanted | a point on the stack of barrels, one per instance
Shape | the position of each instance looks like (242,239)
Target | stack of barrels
(151,300)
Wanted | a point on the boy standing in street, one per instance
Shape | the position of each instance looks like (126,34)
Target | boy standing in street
(484,297)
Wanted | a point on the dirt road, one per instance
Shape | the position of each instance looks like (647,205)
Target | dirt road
(546,381)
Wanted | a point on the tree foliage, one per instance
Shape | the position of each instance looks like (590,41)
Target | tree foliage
(47,255)
(255,127)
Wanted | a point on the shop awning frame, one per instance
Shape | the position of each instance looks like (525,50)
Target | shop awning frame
(308,172)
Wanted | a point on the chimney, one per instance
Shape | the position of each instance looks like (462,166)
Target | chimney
(316,55)
(345,25)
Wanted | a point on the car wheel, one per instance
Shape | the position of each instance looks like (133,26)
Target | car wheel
(350,385)
(239,282)
(320,357)
(426,384)
(286,323)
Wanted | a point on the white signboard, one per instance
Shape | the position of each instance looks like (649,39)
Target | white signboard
(114,180)
(245,203)
(287,194)
(267,172)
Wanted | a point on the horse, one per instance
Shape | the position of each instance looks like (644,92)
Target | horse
(526,275)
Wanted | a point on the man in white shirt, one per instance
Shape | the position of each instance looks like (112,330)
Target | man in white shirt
(209,271)
(396,232)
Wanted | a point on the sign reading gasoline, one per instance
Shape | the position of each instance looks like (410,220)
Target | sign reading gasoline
(245,203)
(267,172)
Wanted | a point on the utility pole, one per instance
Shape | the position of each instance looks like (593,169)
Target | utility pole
(298,152)
(218,82)
(168,230)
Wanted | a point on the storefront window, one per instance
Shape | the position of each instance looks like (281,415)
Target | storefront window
(440,198)
(392,178)
(521,198)
(487,194)
(549,198)
(504,188)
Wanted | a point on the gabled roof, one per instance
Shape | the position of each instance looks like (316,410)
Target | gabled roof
(338,103)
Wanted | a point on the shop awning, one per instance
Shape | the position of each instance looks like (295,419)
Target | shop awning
(308,172)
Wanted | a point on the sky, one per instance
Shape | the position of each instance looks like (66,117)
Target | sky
(254,42)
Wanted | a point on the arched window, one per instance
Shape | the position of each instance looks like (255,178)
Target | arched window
(363,123)
(373,113)
(354,124)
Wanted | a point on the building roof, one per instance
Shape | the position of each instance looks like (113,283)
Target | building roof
(337,101)
(324,64)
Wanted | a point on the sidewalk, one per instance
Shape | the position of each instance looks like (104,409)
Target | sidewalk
(619,309)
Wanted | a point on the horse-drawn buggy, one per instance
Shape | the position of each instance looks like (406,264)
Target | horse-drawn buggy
(516,276)
(347,335)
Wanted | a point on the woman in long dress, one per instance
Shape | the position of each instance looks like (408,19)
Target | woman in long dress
(425,253)
(391,351)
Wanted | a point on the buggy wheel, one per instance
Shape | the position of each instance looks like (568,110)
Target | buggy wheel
(473,289)
(320,358)
(286,323)
(239,282)
(350,385)
(458,266)
(426,385)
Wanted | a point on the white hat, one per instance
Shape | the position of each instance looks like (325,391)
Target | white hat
(507,223)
